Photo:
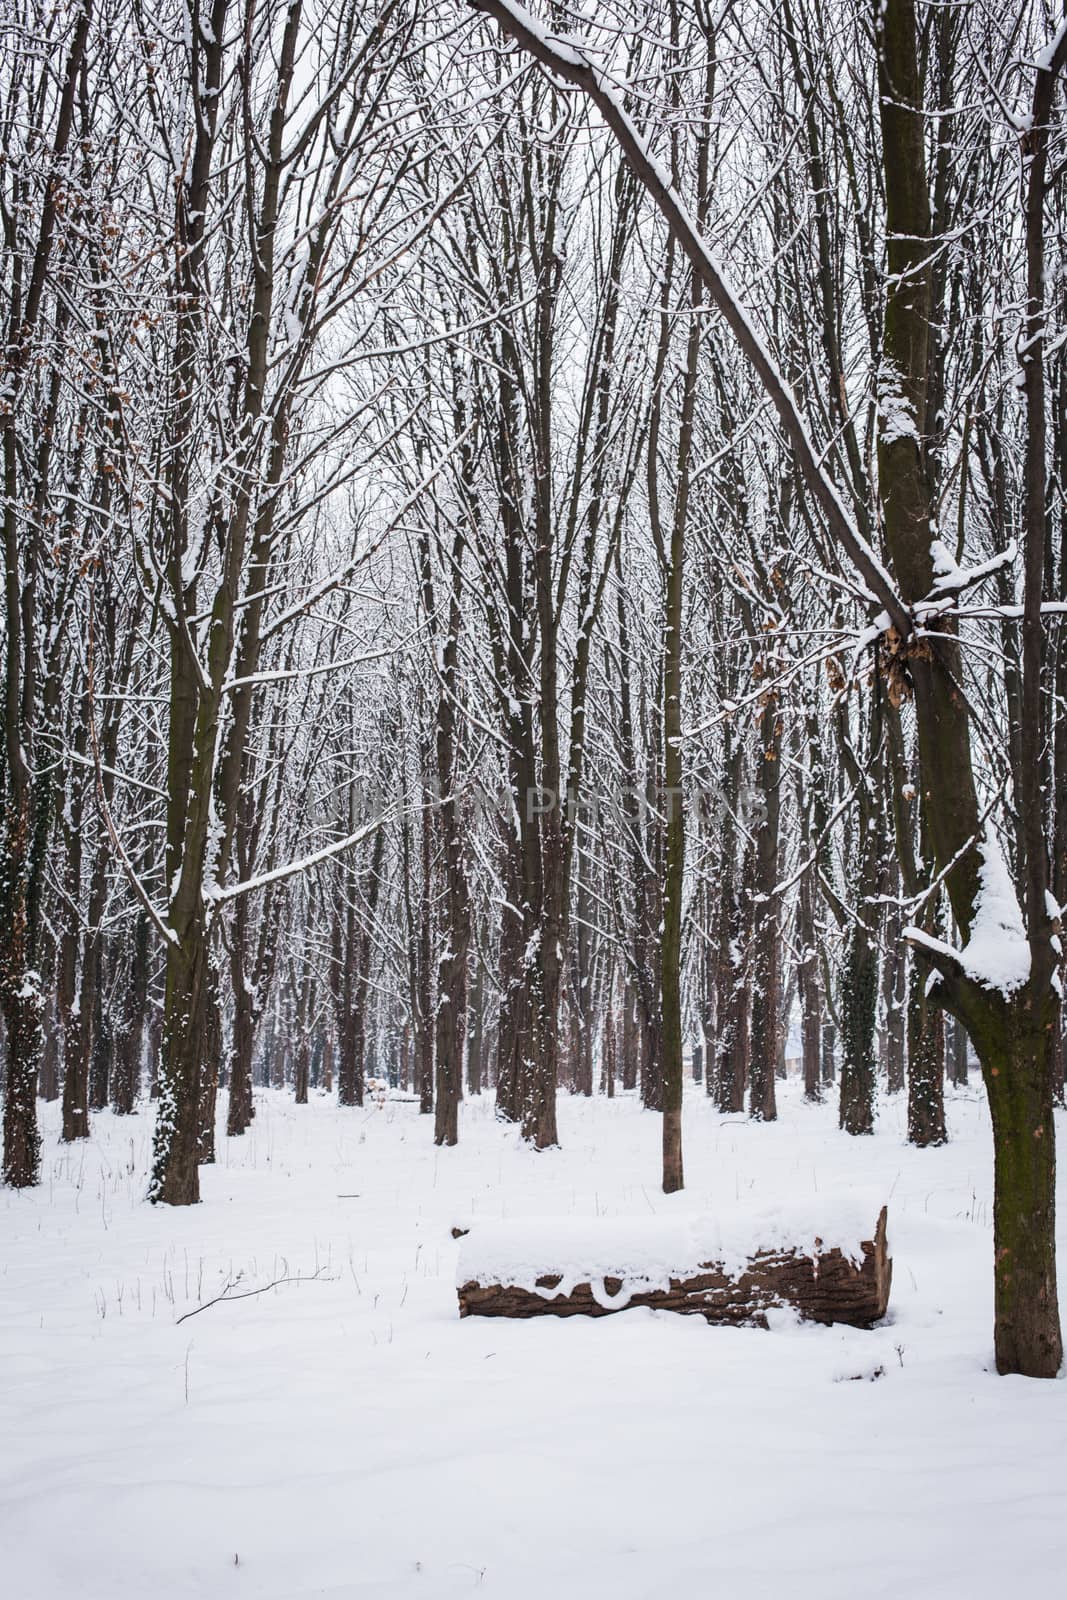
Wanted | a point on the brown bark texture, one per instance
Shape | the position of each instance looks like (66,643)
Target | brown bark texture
(824,1288)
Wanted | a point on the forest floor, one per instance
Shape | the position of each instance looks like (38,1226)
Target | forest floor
(346,1435)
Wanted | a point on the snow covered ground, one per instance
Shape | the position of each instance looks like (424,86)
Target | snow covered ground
(350,1436)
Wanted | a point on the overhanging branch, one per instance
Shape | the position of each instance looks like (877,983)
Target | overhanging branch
(567,60)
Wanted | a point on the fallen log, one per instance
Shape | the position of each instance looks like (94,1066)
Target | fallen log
(505,1274)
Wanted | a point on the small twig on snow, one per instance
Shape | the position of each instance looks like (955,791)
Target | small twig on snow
(246,1294)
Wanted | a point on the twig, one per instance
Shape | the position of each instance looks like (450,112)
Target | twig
(246,1294)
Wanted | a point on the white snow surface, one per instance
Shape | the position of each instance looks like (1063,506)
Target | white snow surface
(350,1437)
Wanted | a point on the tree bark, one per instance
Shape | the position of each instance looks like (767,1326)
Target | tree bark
(827,1288)
(766,959)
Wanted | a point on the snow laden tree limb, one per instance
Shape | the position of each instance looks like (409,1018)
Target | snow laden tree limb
(953,580)
(215,894)
(568,61)
(327,585)
(291,674)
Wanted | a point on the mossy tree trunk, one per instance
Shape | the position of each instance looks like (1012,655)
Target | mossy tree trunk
(1012,1031)
(1016,1044)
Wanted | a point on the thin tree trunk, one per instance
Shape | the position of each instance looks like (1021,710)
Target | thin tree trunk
(926,1065)
(766,971)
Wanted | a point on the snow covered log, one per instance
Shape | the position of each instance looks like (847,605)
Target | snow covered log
(567,1269)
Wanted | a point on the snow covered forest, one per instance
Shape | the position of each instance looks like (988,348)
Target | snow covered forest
(535,685)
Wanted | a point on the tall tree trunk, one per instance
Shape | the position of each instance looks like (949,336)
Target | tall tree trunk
(476,1026)
(175,1178)
(631,1047)
(858,1000)
(808,985)
(958,1047)
(209,1073)
(1012,1033)
(48,1078)
(895,993)
(766,971)
(23,1010)
(302,1055)
(728,1062)
(859,977)
(241,1107)
(71,995)
(26,796)
(103,1043)
(926,1065)
(129,1042)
